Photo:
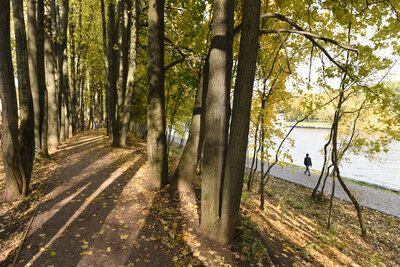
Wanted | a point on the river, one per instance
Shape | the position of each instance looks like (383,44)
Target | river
(382,169)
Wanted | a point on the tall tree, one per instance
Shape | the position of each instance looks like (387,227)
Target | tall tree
(16,182)
(217,113)
(239,129)
(63,68)
(111,86)
(33,68)
(27,138)
(41,79)
(156,139)
(52,138)
(126,110)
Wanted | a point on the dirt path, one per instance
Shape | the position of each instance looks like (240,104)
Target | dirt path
(100,209)
(95,211)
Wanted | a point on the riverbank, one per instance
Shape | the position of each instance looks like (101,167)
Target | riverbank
(349,180)
(370,197)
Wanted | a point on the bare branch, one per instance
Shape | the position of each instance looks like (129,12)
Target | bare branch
(176,62)
(286,54)
(184,57)
(312,35)
(311,38)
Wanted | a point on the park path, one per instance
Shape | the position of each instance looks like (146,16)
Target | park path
(96,209)
(384,201)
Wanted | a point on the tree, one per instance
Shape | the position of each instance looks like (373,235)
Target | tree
(239,128)
(43,94)
(27,141)
(50,80)
(16,181)
(216,114)
(156,139)
(33,68)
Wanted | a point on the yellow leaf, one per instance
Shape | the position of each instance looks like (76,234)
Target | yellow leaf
(109,249)
(123,237)
(52,253)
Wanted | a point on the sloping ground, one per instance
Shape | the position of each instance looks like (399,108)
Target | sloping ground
(100,209)
(368,196)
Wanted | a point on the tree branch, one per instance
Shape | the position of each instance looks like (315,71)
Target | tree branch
(184,57)
(176,62)
(312,35)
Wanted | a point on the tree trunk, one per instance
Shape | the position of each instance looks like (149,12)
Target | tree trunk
(33,68)
(62,16)
(252,170)
(356,205)
(42,79)
(131,73)
(52,139)
(16,184)
(106,60)
(239,127)
(113,68)
(184,173)
(44,149)
(156,140)
(120,71)
(27,124)
(217,114)
(314,192)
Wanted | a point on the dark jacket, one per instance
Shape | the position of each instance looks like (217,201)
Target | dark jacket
(307,161)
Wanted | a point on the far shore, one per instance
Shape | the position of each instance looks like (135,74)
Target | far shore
(309,124)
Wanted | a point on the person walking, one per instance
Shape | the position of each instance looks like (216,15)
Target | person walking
(307,162)
(96,122)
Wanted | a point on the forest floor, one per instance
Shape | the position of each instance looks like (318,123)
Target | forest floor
(93,205)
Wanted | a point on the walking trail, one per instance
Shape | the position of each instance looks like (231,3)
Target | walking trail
(93,213)
(384,201)
(100,209)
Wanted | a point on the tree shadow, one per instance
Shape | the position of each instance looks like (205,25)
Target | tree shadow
(64,221)
(39,185)
(163,235)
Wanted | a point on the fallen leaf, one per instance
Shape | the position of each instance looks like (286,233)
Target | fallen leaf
(123,237)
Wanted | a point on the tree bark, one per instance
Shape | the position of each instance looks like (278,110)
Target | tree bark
(51,83)
(184,173)
(156,140)
(33,68)
(239,127)
(27,125)
(120,71)
(217,114)
(131,73)
(106,60)
(16,184)
(113,67)
(42,79)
